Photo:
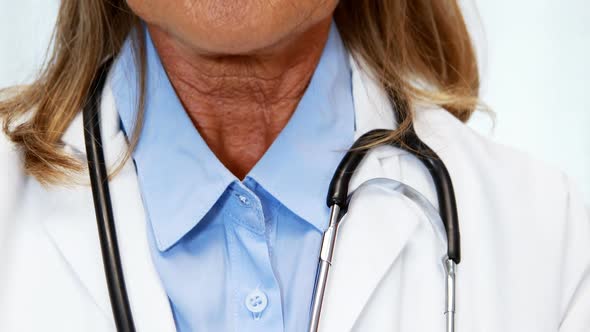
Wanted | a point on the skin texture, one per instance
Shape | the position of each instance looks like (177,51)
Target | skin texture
(239,67)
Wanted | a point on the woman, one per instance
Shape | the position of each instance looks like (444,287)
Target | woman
(222,123)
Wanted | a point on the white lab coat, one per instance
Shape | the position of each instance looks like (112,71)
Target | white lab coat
(525,240)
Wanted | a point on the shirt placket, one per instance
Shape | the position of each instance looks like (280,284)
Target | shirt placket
(257,296)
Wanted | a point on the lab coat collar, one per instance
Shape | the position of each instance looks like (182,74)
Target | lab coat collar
(367,247)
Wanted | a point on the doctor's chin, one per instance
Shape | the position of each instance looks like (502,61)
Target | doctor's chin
(294,166)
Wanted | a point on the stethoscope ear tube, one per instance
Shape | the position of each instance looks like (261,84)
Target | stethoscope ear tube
(102,205)
(447,203)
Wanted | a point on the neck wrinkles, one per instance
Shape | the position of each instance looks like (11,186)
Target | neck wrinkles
(239,103)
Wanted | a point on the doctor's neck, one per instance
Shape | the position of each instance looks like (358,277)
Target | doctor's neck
(240,102)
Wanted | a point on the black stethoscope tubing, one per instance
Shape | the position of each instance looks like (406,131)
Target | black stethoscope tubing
(337,195)
(99,182)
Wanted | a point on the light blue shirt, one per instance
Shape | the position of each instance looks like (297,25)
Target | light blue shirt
(238,255)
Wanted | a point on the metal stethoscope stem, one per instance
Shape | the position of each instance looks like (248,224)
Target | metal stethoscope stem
(451,272)
(326,253)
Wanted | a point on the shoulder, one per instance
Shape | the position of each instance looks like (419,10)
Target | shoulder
(501,186)
(474,155)
(517,212)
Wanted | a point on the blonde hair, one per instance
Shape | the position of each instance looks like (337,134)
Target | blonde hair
(399,41)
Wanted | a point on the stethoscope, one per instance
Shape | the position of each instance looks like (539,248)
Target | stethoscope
(337,201)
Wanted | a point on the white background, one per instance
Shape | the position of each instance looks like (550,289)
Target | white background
(534,58)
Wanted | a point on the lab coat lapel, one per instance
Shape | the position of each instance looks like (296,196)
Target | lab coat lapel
(372,234)
(72,226)
(68,219)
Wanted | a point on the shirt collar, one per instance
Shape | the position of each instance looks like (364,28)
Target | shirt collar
(181,178)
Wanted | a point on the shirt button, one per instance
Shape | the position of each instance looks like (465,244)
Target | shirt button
(244,200)
(256,302)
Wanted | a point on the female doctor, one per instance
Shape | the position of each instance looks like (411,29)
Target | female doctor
(222,124)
